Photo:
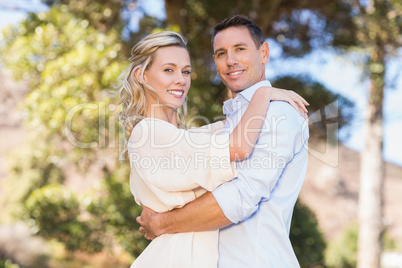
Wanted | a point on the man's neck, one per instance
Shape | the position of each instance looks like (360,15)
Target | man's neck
(234,93)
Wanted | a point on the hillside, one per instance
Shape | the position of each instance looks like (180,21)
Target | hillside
(332,191)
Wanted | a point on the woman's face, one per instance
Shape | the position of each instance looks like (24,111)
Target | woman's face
(169,75)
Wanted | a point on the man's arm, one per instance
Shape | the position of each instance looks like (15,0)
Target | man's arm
(202,214)
(238,198)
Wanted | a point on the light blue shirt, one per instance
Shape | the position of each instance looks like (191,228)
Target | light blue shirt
(261,199)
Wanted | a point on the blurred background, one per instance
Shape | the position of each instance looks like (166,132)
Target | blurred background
(64,196)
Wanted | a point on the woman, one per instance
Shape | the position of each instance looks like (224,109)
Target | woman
(170,166)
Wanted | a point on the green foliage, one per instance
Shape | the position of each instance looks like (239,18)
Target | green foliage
(55,213)
(30,167)
(321,100)
(70,66)
(70,63)
(102,15)
(91,223)
(342,252)
(117,208)
(307,241)
(389,243)
(8,264)
(298,26)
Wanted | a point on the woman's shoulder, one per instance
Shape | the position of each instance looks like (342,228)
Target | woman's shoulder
(154,128)
(150,123)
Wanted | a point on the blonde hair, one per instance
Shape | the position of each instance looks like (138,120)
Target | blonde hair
(132,92)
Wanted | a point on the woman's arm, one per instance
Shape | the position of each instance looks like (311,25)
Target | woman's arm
(244,137)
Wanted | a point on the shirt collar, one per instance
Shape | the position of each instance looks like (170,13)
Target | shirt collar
(246,94)
(227,107)
(249,92)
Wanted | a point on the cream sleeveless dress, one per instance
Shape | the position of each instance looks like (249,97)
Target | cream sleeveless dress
(169,168)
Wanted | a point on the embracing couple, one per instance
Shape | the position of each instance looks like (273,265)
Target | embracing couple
(233,208)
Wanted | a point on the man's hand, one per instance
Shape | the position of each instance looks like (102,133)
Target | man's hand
(202,214)
(147,222)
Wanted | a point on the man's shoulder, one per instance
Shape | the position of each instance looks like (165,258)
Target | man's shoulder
(283,115)
(282,108)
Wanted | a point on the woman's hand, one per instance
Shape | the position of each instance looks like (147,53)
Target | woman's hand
(294,99)
(146,224)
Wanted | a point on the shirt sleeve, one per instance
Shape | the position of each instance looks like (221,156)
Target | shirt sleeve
(281,140)
(173,159)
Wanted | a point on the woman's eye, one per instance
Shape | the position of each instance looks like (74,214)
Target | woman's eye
(168,70)
(187,72)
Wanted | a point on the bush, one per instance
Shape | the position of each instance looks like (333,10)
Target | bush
(118,211)
(307,240)
(342,252)
(54,212)
(102,218)
(8,264)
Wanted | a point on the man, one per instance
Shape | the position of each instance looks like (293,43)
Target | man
(253,211)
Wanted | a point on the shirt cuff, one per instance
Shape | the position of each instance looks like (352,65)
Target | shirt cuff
(226,196)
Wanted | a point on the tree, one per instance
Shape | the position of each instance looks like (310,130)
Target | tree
(71,62)
(298,27)
(64,71)
(70,75)
(92,223)
(317,95)
(54,212)
(378,25)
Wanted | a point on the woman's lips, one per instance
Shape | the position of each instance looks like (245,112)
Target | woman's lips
(176,93)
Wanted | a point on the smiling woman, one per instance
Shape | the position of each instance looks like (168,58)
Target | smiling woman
(168,77)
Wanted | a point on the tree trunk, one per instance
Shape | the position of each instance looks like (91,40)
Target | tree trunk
(176,14)
(372,172)
(266,11)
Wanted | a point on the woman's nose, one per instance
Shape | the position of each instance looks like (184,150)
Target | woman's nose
(180,79)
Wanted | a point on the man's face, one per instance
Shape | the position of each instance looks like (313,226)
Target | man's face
(239,63)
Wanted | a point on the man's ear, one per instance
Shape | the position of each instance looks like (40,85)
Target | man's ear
(137,75)
(265,52)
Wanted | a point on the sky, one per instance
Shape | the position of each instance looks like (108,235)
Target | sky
(340,75)
(336,72)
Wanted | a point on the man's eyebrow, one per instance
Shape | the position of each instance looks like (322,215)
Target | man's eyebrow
(240,44)
(236,45)
(219,49)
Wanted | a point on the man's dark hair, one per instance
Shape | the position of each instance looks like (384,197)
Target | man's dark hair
(241,21)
